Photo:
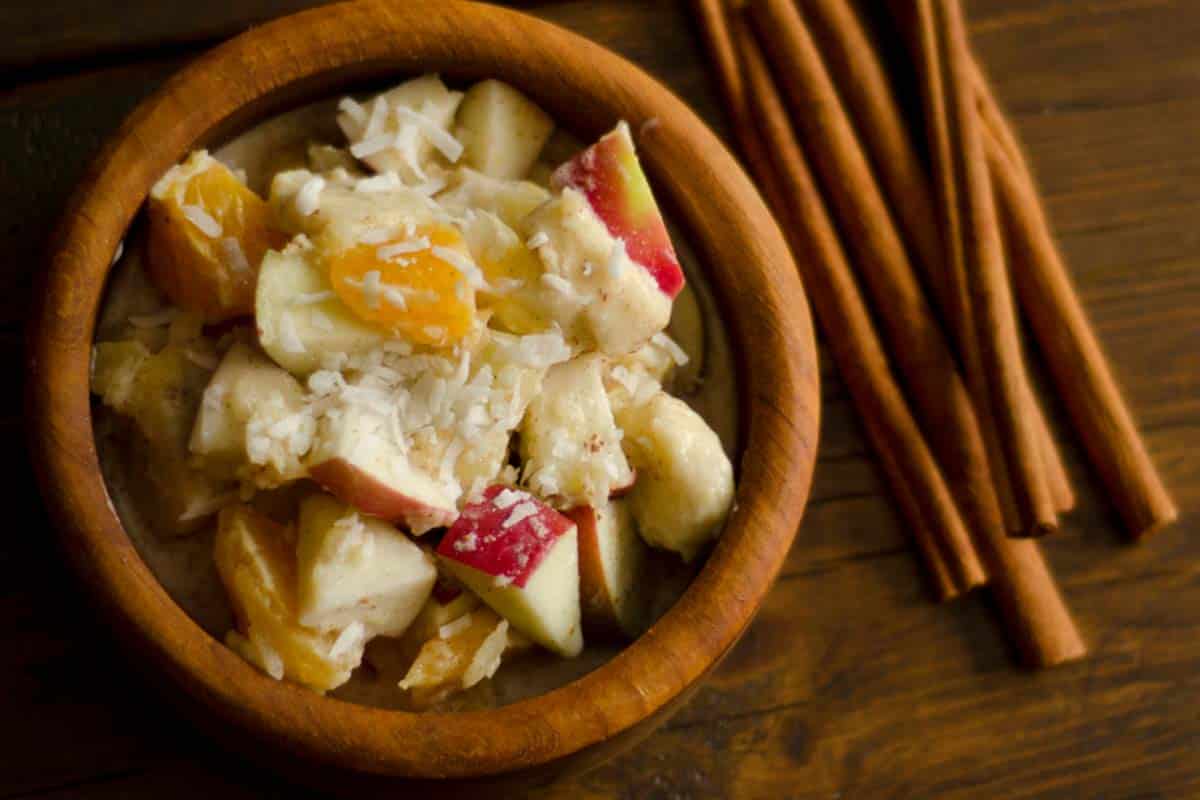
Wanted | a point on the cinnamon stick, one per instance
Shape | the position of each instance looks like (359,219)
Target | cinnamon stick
(1068,343)
(862,83)
(1034,610)
(982,315)
(914,478)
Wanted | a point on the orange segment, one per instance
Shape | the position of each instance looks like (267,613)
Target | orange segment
(415,287)
(207,235)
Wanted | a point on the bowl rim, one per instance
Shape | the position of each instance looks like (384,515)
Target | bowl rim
(746,260)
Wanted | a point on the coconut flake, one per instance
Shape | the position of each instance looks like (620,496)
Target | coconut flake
(455,627)
(369,147)
(617,258)
(156,320)
(673,350)
(431,186)
(378,118)
(384,182)
(234,255)
(537,240)
(388,252)
(506,498)
(348,640)
(312,298)
(202,220)
(353,109)
(521,511)
(438,136)
(308,199)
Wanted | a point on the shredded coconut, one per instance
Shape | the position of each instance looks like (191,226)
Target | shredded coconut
(438,136)
(234,255)
(369,147)
(378,118)
(388,252)
(384,182)
(289,337)
(673,350)
(156,320)
(202,220)
(455,627)
(312,298)
(617,258)
(353,109)
(308,199)
(506,498)
(537,240)
(348,640)
(521,511)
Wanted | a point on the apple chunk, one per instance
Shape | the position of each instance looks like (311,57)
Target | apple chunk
(252,422)
(610,177)
(355,569)
(685,482)
(300,320)
(256,562)
(355,457)
(520,556)
(611,562)
(501,130)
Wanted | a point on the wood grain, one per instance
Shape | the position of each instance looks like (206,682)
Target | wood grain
(813,701)
(354,747)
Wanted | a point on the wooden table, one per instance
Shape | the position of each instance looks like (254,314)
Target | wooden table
(851,682)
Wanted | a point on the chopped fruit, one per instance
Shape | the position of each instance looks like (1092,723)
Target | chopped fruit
(590,286)
(501,130)
(570,445)
(446,604)
(207,233)
(685,482)
(304,202)
(513,273)
(326,158)
(253,423)
(160,393)
(461,654)
(511,201)
(637,377)
(404,130)
(256,561)
(301,322)
(355,457)
(355,569)
(611,561)
(420,287)
(520,557)
(610,177)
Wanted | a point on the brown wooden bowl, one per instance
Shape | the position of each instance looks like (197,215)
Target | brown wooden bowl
(313,54)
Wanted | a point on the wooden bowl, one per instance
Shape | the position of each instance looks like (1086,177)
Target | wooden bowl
(320,52)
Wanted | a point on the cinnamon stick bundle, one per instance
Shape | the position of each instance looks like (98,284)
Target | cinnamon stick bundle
(913,475)
(1068,343)
(1032,605)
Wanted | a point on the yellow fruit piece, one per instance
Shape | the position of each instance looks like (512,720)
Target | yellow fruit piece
(464,652)
(207,234)
(414,287)
(256,559)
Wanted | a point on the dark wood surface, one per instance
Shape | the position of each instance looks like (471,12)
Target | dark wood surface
(851,682)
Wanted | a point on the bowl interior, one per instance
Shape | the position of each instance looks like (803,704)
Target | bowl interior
(331,50)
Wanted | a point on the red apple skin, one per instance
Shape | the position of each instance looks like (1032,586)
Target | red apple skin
(479,539)
(374,498)
(610,177)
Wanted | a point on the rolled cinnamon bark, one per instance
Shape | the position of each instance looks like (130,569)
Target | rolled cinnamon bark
(912,474)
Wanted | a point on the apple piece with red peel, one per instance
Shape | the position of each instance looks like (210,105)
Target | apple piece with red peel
(610,177)
(611,561)
(521,557)
(355,459)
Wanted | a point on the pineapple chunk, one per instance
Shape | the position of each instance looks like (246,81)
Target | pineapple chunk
(253,422)
(570,445)
(396,131)
(301,322)
(465,651)
(207,233)
(358,569)
(684,488)
(501,130)
(256,561)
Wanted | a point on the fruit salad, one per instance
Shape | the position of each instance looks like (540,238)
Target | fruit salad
(415,390)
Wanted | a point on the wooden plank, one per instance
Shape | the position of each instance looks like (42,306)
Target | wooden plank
(851,681)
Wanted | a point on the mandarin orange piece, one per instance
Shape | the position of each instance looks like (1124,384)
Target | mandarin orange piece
(207,234)
(418,287)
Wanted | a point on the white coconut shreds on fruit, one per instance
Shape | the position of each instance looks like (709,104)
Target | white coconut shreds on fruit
(308,199)
(233,254)
(669,345)
(203,221)
(384,182)
(434,133)
(455,626)
(352,637)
